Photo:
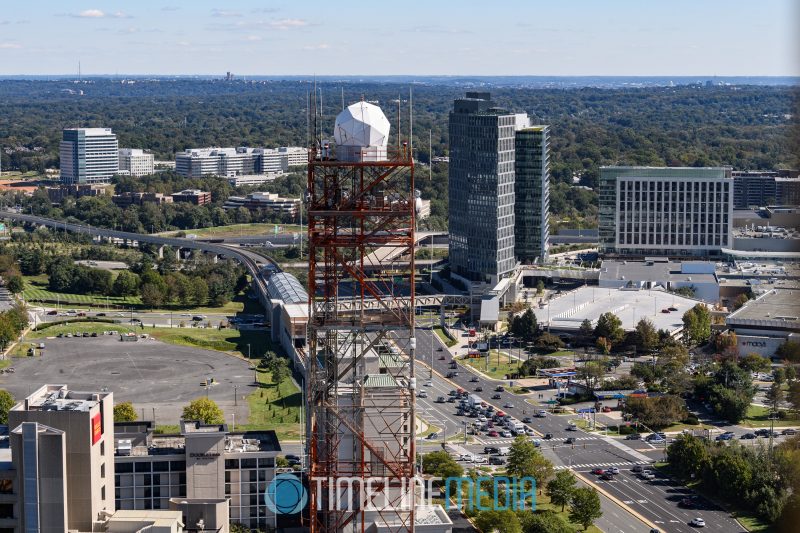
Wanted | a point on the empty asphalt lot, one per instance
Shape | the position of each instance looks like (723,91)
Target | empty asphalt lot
(149,373)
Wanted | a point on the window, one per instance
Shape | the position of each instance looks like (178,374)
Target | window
(161,466)
(103,492)
(103,448)
(124,468)
(143,467)
(103,470)
(6,486)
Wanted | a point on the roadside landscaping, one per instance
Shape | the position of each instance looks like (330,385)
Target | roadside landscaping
(758,417)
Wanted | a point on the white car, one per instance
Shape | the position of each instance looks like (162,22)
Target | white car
(572,427)
(697,522)
(479,459)
(529,432)
(465,457)
(505,434)
(614,470)
(429,383)
(648,475)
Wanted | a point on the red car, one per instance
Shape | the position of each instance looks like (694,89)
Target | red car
(598,471)
(493,433)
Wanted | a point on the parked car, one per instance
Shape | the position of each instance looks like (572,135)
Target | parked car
(493,433)
(491,449)
(505,434)
(789,431)
(748,436)
(633,436)
(496,460)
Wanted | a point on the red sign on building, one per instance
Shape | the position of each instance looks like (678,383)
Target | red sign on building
(97,428)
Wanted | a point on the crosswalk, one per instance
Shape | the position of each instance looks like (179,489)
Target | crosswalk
(511,440)
(596,465)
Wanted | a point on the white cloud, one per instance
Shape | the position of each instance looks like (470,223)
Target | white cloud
(121,15)
(321,46)
(225,13)
(91,14)
(10,46)
(253,38)
(286,24)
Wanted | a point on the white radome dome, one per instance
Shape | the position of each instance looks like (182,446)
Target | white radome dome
(362,125)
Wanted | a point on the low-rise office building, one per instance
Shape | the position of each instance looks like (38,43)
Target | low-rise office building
(127,199)
(242,161)
(136,162)
(266,201)
(192,196)
(58,194)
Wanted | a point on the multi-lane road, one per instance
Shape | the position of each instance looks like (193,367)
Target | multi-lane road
(657,500)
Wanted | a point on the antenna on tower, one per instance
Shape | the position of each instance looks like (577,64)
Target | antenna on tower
(430,155)
(411,122)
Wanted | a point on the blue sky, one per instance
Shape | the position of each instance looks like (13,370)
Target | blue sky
(465,37)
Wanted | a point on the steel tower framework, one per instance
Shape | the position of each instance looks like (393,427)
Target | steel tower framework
(360,425)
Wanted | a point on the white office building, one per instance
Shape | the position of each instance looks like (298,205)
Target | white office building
(242,161)
(136,162)
(88,155)
(678,212)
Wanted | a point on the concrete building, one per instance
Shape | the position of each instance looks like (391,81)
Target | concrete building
(532,194)
(481,191)
(88,155)
(58,194)
(763,324)
(139,198)
(266,201)
(192,196)
(761,188)
(136,162)
(62,453)
(202,469)
(242,161)
(661,274)
(678,212)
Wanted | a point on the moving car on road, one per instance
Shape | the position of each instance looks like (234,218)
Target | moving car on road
(697,522)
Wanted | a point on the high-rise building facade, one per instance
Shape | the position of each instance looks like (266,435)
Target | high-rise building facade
(532,193)
(135,162)
(481,189)
(665,211)
(88,155)
(63,454)
(761,188)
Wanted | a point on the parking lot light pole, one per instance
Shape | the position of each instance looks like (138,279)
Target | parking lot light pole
(235,396)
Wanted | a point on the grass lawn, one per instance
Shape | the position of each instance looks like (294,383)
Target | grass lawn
(276,408)
(239,230)
(445,339)
(754,524)
(757,418)
(496,370)
(36,291)
(543,504)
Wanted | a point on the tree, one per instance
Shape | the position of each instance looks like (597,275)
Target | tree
(124,412)
(586,330)
(6,403)
(673,357)
(15,285)
(790,351)
(525,460)
(549,342)
(609,326)
(697,324)
(505,521)
(544,522)
(126,284)
(199,291)
(604,345)
(585,506)
(561,488)
(203,410)
(688,456)
(525,326)
(740,300)
(540,287)
(591,373)
(440,464)
(794,396)
(645,336)
(152,295)
(279,369)
(753,362)
(657,411)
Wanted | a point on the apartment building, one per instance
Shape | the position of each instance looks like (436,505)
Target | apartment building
(136,162)
(678,212)
(88,155)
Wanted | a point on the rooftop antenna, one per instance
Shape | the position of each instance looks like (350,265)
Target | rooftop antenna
(430,158)
(398,123)
(308,118)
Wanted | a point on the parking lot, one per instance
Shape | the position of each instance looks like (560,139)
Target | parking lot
(158,378)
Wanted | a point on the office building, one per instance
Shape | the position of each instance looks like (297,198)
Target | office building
(242,161)
(680,212)
(761,188)
(205,466)
(264,200)
(88,155)
(136,162)
(62,452)
(58,194)
(481,190)
(532,194)
(192,196)
(127,199)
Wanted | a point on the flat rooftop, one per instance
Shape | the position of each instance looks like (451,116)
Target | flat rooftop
(654,271)
(775,309)
(567,311)
(60,398)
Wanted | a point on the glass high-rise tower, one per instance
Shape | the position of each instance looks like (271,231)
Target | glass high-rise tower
(88,155)
(532,193)
(481,189)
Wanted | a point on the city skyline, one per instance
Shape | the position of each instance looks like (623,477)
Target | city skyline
(524,38)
